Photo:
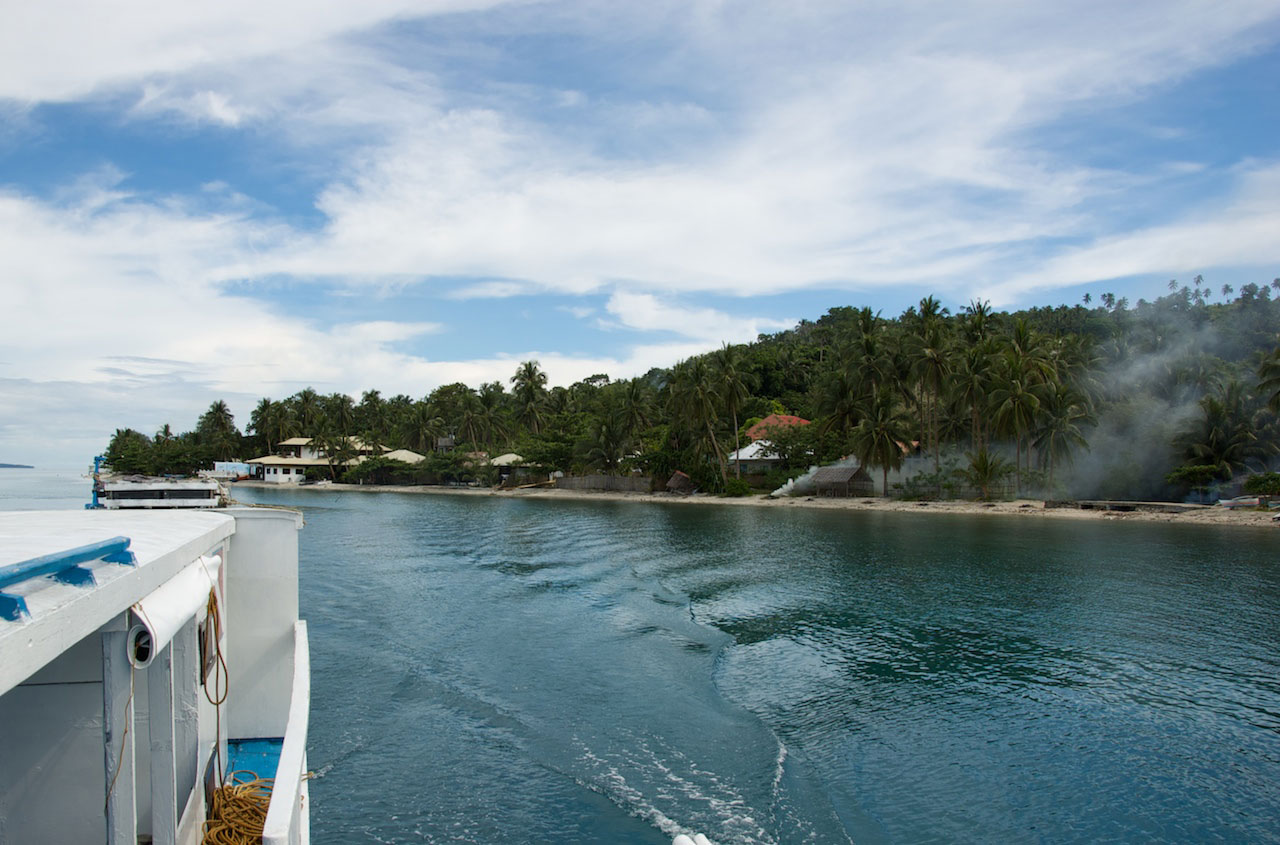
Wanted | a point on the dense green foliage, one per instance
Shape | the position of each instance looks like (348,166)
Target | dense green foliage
(1103,400)
(1263,484)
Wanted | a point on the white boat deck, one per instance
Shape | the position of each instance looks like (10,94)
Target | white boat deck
(62,614)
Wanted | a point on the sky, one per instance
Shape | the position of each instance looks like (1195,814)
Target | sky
(242,199)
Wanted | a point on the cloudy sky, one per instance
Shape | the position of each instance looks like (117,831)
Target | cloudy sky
(239,199)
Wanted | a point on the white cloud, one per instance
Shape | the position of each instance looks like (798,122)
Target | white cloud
(1239,231)
(858,147)
(487,290)
(646,313)
(60,50)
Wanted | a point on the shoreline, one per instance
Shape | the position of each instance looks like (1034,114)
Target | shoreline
(1195,515)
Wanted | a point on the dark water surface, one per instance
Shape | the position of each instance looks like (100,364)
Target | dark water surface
(498,670)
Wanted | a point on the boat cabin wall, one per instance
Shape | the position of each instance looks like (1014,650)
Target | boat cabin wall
(53,776)
(262,607)
(53,780)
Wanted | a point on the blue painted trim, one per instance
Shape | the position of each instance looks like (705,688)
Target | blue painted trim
(77,576)
(12,608)
(115,550)
(94,504)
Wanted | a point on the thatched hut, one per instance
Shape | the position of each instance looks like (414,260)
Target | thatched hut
(680,483)
(843,481)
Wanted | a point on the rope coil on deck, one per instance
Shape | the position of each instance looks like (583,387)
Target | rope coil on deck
(239,810)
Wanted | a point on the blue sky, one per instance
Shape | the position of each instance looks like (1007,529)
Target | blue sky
(242,200)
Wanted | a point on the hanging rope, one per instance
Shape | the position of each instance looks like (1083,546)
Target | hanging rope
(238,811)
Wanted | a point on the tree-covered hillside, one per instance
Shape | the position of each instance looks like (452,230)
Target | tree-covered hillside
(1100,400)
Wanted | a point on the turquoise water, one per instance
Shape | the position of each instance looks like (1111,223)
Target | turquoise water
(493,670)
(498,670)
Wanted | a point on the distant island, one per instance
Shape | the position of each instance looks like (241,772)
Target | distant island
(16,466)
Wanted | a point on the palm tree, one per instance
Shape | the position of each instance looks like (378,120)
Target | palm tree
(324,441)
(606,446)
(635,407)
(1269,379)
(839,401)
(529,387)
(971,386)
(734,388)
(493,423)
(307,403)
(985,470)
(1226,435)
(371,417)
(879,435)
(1015,403)
(469,426)
(930,367)
(977,320)
(341,412)
(217,430)
(422,428)
(259,422)
(281,424)
(695,400)
(1064,412)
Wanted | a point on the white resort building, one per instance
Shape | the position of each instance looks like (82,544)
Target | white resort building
(298,454)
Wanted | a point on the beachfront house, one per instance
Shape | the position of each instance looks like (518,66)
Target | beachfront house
(510,468)
(755,458)
(298,455)
(760,456)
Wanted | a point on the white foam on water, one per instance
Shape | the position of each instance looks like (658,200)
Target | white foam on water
(730,814)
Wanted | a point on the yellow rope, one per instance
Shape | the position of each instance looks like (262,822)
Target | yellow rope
(239,807)
(238,811)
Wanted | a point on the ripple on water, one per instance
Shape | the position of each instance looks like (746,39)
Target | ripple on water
(494,670)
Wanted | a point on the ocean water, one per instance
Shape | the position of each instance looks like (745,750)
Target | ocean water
(499,670)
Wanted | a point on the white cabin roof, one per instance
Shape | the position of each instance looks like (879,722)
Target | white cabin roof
(756,450)
(60,614)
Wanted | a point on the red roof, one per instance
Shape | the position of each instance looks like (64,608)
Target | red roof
(760,430)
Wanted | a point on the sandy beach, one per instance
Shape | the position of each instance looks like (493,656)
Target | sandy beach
(1025,508)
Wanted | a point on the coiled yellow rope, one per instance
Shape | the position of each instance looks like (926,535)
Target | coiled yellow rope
(238,811)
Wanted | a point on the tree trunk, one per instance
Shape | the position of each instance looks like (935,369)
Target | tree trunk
(737,446)
(1017,466)
(715,444)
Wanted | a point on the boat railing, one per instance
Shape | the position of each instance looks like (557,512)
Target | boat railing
(64,566)
(284,815)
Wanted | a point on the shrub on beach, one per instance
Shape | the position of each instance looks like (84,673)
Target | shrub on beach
(1263,484)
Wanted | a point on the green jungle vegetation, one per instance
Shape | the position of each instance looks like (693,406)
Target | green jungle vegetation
(1097,400)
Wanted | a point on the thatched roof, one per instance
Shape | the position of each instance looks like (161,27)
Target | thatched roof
(680,482)
(405,456)
(838,475)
